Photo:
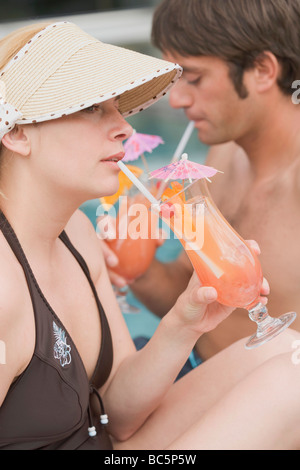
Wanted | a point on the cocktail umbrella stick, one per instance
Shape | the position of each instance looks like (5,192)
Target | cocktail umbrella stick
(145,163)
(178,152)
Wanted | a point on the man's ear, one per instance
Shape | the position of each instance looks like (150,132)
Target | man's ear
(17,141)
(266,72)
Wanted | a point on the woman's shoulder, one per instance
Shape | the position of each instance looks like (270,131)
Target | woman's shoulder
(11,273)
(82,235)
(80,226)
(16,318)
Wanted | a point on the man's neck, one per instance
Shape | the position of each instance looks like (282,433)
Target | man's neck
(275,143)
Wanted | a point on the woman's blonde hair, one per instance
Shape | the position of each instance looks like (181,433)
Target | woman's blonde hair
(11,44)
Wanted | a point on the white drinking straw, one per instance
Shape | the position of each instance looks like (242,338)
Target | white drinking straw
(183,142)
(137,183)
(212,266)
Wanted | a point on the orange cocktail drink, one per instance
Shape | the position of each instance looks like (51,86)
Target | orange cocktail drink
(134,243)
(219,255)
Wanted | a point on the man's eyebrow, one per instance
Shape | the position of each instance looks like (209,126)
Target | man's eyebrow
(192,70)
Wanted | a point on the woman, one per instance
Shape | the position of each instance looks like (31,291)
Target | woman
(64,97)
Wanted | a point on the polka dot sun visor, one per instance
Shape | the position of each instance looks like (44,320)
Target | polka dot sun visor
(62,70)
(8,114)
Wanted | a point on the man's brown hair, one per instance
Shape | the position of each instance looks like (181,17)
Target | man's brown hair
(237,31)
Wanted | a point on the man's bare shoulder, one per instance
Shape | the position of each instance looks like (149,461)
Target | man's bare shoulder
(297,176)
(225,157)
(234,167)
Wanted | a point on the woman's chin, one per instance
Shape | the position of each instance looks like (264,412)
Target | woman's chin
(109,191)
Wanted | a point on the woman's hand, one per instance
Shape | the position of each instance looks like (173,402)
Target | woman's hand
(198,307)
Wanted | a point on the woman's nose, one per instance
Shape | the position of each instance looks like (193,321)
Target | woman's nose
(180,96)
(123,130)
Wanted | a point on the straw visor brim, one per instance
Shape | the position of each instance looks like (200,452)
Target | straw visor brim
(63,70)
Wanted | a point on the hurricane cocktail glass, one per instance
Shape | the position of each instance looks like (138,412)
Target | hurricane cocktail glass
(220,257)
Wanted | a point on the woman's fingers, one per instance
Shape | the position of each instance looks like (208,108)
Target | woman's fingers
(206,295)
(265,288)
(111,260)
(254,246)
(110,257)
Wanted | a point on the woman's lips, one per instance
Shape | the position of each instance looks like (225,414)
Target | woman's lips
(114,158)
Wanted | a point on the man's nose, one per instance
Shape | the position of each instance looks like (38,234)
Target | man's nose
(180,96)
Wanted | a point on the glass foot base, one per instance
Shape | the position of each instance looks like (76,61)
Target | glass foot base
(275,327)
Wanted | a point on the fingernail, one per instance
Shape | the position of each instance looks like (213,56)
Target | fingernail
(112,261)
(210,294)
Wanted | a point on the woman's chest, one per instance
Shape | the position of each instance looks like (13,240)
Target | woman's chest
(69,295)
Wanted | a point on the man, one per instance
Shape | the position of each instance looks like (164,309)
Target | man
(241,61)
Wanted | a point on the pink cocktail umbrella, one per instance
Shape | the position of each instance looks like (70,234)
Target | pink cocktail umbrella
(138,144)
(184,169)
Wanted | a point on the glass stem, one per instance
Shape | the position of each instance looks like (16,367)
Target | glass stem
(259,314)
(121,291)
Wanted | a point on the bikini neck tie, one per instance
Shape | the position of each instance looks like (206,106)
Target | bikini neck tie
(103,416)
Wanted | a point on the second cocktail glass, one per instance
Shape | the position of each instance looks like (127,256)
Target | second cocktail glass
(134,243)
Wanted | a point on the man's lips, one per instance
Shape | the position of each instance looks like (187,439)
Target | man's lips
(114,158)
(196,119)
